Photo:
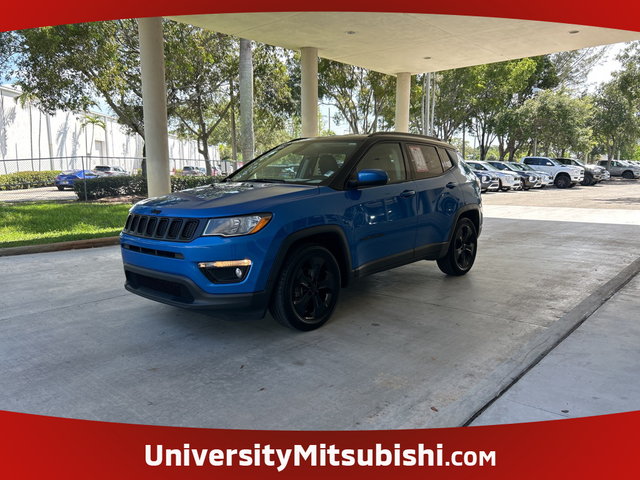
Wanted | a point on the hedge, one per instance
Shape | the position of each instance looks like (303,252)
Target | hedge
(121,185)
(24,180)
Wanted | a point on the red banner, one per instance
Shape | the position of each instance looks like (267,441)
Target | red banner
(33,446)
(619,14)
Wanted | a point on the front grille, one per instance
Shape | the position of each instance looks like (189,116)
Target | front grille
(172,229)
(164,288)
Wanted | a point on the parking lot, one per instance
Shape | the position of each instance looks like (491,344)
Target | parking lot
(407,348)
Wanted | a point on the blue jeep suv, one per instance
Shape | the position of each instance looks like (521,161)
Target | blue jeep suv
(290,228)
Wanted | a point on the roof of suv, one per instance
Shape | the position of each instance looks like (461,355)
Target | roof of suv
(382,135)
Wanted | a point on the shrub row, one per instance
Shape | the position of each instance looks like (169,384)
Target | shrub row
(117,186)
(24,180)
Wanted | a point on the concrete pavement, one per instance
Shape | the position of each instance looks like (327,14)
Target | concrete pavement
(407,348)
(594,371)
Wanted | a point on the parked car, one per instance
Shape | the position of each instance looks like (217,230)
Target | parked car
(564,176)
(529,179)
(619,168)
(65,179)
(545,178)
(592,173)
(507,180)
(357,205)
(114,170)
(192,171)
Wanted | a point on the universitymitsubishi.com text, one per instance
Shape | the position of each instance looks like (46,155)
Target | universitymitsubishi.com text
(321,455)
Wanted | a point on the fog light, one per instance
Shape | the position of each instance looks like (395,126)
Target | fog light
(227,271)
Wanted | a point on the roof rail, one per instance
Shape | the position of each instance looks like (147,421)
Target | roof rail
(406,134)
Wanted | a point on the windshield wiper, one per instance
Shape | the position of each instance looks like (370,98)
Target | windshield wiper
(266,180)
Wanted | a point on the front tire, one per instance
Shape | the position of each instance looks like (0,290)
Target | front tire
(306,292)
(462,250)
(562,181)
(60,187)
(628,175)
(588,181)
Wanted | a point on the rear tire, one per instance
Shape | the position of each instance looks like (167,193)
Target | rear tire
(307,288)
(60,187)
(462,250)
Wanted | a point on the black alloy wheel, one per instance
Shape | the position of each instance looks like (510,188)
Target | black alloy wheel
(628,175)
(462,250)
(588,180)
(562,181)
(306,293)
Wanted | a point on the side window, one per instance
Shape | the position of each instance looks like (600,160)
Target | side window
(387,157)
(425,160)
(444,158)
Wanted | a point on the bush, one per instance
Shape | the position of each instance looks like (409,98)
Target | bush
(24,180)
(117,186)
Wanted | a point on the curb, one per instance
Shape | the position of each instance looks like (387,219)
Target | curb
(58,247)
(508,374)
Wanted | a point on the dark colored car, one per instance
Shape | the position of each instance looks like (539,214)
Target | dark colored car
(66,178)
(529,179)
(288,240)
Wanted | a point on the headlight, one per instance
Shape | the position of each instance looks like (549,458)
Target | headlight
(235,226)
(532,179)
(509,178)
(485,179)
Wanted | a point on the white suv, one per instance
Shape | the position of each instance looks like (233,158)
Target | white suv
(564,176)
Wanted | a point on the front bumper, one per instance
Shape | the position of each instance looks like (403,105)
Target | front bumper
(180,291)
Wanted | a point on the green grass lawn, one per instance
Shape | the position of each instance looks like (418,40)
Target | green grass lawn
(39,223)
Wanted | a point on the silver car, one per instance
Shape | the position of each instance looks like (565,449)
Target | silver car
(507,180)
(620,168)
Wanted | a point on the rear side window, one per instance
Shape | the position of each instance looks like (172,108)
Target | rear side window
(425,161)
(444,158)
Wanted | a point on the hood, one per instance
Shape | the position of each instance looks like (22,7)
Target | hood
(223,199)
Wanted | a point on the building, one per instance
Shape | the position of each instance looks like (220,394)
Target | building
(33,140)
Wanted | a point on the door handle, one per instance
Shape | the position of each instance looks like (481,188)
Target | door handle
(408,193)
(452,184)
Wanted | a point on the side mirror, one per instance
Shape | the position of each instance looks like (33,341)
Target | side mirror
(369,178)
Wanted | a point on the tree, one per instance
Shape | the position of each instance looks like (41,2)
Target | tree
(361,96)
(94,121)
(453,100)
(201,63)
(559,122)
(573,67)
(493,90)
(69,67)
(615,122)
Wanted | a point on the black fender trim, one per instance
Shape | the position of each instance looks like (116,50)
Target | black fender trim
(345,267)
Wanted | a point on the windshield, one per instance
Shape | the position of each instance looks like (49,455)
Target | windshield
(483,166)
(510,166)
(523,167)
(310,162)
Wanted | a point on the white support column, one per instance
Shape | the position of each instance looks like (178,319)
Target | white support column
(154,101)
(309,91)
(403,95)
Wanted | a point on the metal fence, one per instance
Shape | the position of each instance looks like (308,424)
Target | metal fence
(32,179)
